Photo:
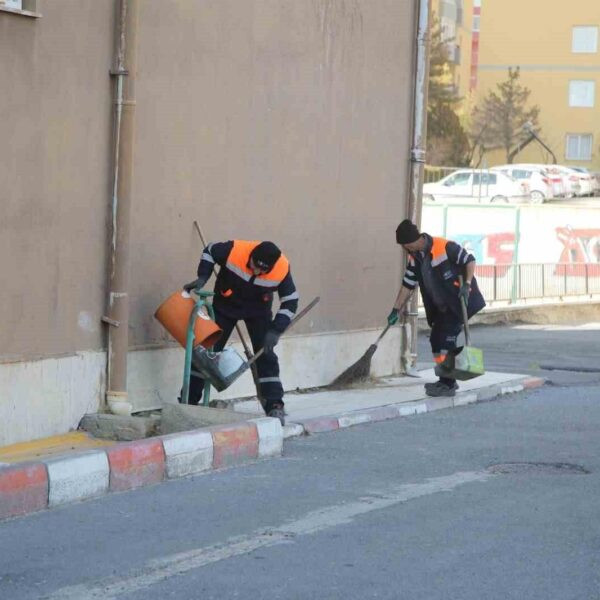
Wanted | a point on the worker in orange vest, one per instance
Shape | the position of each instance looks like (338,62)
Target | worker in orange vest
(251,272)
(434,264)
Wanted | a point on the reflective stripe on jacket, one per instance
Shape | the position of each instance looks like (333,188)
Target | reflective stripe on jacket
(242,295)
(448,260)
(238,260)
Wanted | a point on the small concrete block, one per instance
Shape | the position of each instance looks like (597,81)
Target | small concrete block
(489,392)
(136,464)
(465,398)
(77,477)
(186,417)
(120,428)
(510,389)
(188,453)
(23,489)
(234,444)
(533,382)
(353,419)
(292,430)
(383,413)
(270,436)
(439,403)
(412,408)
(321,424)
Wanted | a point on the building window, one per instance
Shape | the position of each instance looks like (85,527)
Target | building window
(476,22)
(579,146)
(585,39)
(27,8)
(582,93)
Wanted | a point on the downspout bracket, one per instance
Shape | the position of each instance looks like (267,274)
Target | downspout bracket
(110,321)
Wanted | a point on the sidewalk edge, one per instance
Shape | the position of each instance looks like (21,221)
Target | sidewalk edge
(404,409)
(33,486)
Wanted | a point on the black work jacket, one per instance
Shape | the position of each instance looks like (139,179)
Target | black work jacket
(448,260)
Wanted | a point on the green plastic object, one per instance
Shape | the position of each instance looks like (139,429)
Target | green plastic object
(463,364)
(189,347)
(466,362)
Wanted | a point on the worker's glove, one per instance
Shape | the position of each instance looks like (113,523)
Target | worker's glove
(464,291)
(197,284)
(271,339)
(393,317)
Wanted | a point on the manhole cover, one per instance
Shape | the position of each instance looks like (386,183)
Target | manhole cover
(532,468)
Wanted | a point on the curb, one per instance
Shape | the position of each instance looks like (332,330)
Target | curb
(31,487)
(405,409)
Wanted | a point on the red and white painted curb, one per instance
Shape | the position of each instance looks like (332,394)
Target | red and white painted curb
(404,409)
(29,487)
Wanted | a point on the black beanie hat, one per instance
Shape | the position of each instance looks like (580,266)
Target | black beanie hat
(265,255)
(407,232)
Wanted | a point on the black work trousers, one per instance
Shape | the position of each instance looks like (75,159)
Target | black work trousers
(267,364)
(445,330)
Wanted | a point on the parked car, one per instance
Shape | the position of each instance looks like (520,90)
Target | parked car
(566,181)
(587,180)
(477,185)
(570,180)
(596,175)
(537,178)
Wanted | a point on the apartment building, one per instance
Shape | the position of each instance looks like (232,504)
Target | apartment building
(556,47)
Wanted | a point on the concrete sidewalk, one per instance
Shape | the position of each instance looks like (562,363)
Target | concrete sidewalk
(401,396)
(54,472)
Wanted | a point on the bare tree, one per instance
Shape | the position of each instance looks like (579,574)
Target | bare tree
(447,141)
(503,119)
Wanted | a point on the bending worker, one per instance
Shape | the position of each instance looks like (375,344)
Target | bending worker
(251,272)
(434,264)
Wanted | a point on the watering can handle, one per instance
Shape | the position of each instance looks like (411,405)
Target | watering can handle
(465,316)
(292,322)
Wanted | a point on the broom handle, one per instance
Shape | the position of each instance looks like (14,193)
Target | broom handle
(239,332)
(237,326)
(463,307)
(292,322)
(382,334)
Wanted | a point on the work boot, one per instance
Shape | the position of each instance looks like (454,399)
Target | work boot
(439,388)
(435,384)
(277,412)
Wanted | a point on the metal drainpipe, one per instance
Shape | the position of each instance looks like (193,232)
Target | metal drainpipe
(123,145)
(417,162)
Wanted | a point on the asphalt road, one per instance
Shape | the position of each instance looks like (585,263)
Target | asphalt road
(399,509)
(563,354)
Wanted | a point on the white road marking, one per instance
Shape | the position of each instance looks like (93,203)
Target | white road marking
(592,326)
(158,570)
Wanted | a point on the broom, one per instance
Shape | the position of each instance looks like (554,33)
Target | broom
(361,369)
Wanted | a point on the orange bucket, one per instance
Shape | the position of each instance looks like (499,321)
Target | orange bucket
(174,315)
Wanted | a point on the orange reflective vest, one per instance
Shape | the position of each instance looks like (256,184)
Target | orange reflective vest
(239,257)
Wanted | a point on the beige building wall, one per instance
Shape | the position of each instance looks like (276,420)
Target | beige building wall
(269,119)
(55,127)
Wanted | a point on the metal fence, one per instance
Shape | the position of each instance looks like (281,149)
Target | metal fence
(509,283)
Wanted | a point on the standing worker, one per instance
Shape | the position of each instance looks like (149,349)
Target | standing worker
(434,264)
(250,274)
